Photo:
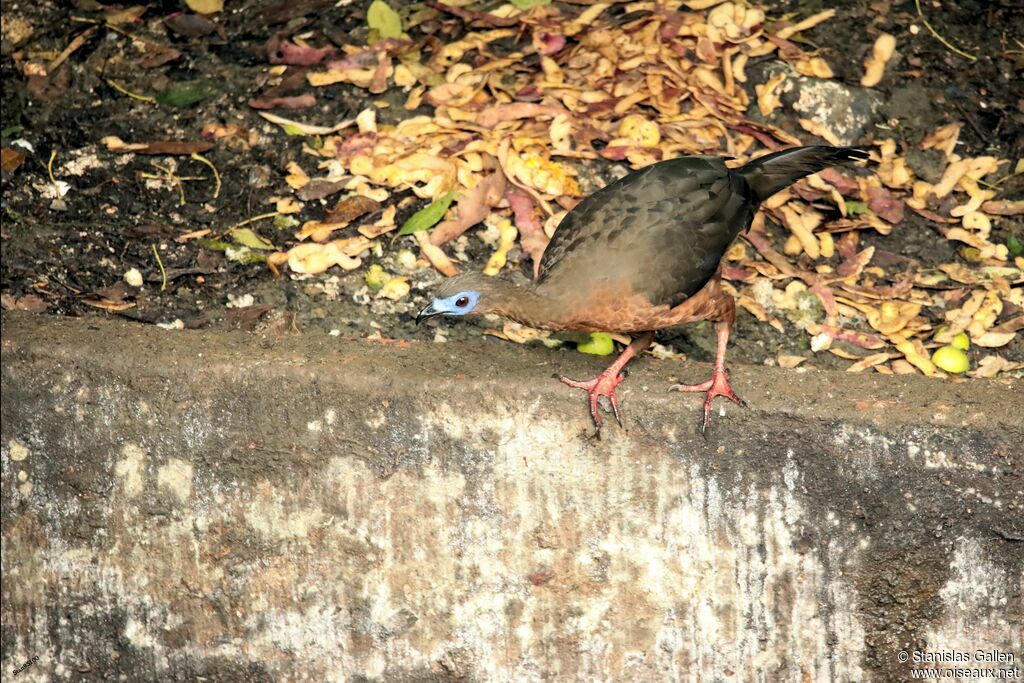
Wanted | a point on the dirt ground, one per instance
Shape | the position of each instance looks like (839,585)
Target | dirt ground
(74,251)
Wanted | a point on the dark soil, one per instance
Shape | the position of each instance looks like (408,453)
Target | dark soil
(112,219)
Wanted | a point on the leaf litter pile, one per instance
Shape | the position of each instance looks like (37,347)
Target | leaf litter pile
(484,127)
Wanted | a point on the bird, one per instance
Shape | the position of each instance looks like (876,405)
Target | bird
(642,254)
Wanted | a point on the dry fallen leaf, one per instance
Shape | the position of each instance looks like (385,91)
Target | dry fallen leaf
(471,208)
(506,241)
(162,147)
(767,98)
(435,255)
(311,257)
(881,53)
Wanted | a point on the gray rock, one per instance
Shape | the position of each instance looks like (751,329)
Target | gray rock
(848,111)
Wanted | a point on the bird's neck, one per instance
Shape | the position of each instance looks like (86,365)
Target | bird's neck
(523,304)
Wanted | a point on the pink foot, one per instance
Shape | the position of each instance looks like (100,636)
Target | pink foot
(602,385)
(718,385)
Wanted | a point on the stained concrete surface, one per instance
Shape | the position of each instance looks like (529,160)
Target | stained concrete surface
(181,505)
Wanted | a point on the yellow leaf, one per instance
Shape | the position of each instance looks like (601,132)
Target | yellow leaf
(815,67)
(915,353)
(296,177)
(640,131)
(205,6)
(881,53)
(767,99)
(311,257)
(892,316)
(505,243)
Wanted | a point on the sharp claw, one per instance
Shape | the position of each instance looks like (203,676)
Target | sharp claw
(716,386)
(615,408)
(602,385)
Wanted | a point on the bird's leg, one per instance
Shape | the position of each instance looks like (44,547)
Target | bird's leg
(605,383)
(718,385)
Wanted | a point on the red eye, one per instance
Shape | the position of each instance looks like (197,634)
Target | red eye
(462,301)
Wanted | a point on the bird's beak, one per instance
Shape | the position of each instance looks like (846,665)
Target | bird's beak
(428,312)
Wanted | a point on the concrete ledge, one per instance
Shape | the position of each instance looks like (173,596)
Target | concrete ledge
(186,504)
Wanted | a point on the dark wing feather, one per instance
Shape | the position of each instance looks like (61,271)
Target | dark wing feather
(662,230)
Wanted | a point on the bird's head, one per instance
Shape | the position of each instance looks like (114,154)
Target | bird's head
(461,295)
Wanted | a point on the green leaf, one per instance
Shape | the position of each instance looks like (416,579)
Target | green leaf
(282,222)
(244,255)
(600,344)
(215,244)
(186,93)
(248,238)
(856,208)
(292,129)
(1014,246)
(385,20)
(527,4)
(428,216)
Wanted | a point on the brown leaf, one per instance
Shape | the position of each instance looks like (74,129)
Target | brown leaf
(30,303)
(860,339)
(108,305)
(472,207)
(548,43)
(1011,325)
(158,56)
(123,15)
(492,116)
(990,366)
(11,160)
(435,255)
(846,186)
(1003,207)
(190,25)
(885,204)
(828,301)
(159,147)
(853,266)
(532,237)
(474,18)
(281,51)
(351,208)
(738,274)
(304,101)
(318,188)
(932,216)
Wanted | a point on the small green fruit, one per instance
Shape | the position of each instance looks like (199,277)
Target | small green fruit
(951,359)
(600,344)
(961,341)
(376,278)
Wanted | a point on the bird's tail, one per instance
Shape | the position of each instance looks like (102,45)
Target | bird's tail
(768,174)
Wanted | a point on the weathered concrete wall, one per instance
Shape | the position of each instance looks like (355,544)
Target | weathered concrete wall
(182,504)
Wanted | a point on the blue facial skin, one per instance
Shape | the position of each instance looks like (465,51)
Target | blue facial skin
(456,304)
